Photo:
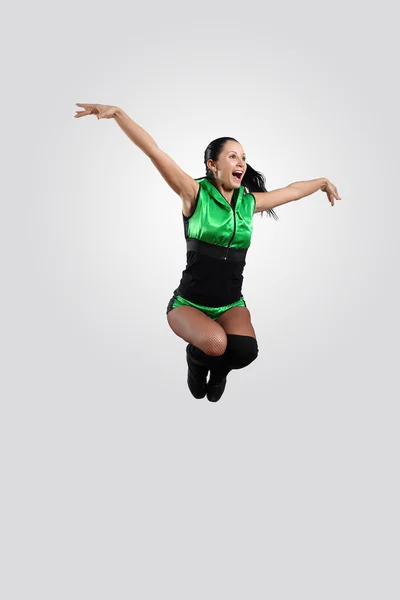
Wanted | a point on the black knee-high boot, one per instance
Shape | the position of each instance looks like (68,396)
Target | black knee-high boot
(241,350)
(199,363)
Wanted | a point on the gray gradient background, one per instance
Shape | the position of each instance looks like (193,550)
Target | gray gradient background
(115,481)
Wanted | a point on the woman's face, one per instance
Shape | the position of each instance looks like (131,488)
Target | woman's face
(231,159)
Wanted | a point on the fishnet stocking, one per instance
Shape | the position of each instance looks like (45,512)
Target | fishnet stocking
(209,346)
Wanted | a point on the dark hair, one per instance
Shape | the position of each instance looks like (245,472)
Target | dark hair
(253,181)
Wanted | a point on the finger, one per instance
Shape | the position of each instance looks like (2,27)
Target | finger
(86,105)
(337,194)
(82,113)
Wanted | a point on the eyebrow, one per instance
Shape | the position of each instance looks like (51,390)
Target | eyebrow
(234,151)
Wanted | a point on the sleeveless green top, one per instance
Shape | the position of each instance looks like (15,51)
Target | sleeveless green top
(215,221)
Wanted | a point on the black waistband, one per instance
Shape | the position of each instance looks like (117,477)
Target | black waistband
(215,251)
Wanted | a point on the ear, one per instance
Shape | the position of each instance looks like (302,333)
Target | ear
(211,164)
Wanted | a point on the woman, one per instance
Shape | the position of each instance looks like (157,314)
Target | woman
(207,309)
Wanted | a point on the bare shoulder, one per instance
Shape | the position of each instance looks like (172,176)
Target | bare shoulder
(189,199)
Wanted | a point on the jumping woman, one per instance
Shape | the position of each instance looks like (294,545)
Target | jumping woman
(207,309)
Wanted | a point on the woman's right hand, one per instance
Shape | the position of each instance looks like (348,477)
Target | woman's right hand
(102,111)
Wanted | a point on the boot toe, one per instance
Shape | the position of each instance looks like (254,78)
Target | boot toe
(215,390)
(197,385)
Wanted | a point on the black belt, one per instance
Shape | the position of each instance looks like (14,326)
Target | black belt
(222,252)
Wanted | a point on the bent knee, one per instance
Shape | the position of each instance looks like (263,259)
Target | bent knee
(215,344)
(242,350)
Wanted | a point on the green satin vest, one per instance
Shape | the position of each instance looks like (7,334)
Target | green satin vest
(215,221)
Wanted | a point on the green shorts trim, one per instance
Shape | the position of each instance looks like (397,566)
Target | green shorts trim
(211,311)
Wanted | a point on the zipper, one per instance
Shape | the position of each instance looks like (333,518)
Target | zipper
(234,231)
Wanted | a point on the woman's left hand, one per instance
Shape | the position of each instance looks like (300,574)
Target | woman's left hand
(331,192)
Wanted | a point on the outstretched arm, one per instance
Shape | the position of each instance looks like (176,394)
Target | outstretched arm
(306,188)
(137,134)
(184,185)
(294,191)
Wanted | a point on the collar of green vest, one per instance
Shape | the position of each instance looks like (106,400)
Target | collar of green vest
(216,194)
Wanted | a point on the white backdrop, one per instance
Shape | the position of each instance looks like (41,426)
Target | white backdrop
(116,482)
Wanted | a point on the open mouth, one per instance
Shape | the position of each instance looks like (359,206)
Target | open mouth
(237,175)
